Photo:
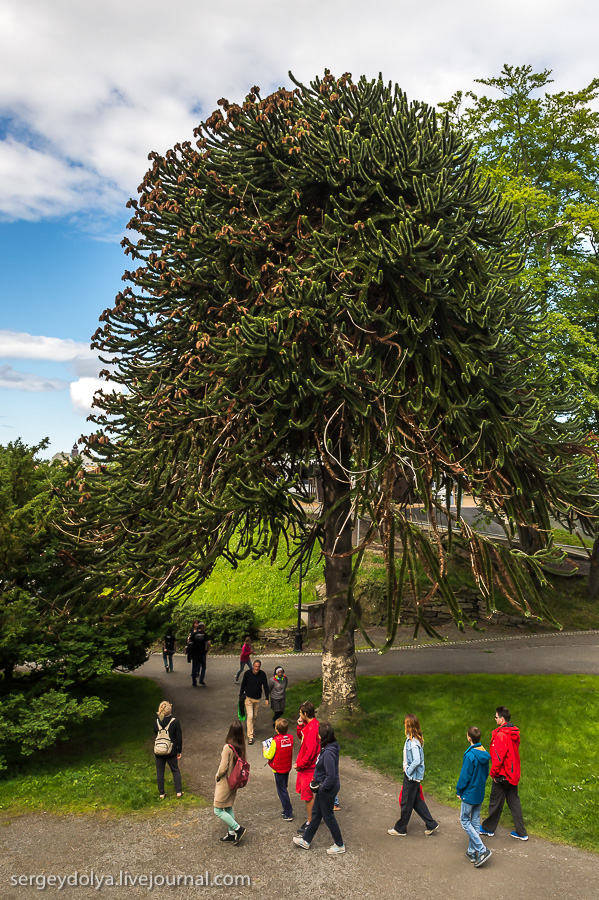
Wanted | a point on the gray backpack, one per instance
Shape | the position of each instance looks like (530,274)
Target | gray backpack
(163,745)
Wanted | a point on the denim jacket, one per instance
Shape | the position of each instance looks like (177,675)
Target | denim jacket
(414,760)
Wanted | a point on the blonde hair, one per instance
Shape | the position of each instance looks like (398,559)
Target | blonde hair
(164,709)
(413,729)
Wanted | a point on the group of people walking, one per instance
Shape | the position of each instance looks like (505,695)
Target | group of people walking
(317,762)
(502,762)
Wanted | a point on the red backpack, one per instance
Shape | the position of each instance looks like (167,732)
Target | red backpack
(240,774)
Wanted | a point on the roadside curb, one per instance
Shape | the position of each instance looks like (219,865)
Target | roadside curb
(429,646)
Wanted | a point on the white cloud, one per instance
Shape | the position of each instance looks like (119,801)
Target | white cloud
(89,89)
(83,390)
(10,379)
(21,345)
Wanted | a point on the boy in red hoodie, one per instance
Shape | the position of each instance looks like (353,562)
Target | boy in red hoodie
(307,732)
(505,772)
(279,754)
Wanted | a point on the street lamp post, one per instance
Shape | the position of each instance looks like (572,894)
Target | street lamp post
(299,640)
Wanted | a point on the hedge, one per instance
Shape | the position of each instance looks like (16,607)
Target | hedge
(225,623)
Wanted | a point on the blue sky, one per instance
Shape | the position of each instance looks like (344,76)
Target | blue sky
(87,90)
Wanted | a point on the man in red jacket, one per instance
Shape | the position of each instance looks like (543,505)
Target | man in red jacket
(307,732)
(505,772)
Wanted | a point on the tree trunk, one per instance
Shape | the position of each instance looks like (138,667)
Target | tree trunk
(593,580)
(339,689)
(530,539)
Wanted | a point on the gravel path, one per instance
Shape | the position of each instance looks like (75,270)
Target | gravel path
(174,843)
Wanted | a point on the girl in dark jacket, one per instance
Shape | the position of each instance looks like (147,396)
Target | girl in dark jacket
(325,786)
(172,725)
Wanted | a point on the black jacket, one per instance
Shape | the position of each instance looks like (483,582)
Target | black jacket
(252,685)
(173,727)
(197,644)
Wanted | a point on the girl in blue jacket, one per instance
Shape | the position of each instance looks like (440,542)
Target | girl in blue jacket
(411,791)
(325,785)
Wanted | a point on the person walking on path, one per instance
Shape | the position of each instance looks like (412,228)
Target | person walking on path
(325,786)
(277,686)
(244,657)
(505,772)
(165,720)
(279,753)
(413,767)
(307,732)
(253,684)
(471,791)
(169,645)
(198,645)
(224,795)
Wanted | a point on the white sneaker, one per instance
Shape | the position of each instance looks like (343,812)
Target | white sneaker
(335,849)
(301,842)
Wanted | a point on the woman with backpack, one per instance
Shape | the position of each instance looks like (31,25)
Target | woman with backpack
(168,745)
(224,794)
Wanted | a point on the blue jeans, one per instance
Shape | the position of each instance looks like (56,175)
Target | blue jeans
(198,668)
(281,781)
(470,822)
(242,666)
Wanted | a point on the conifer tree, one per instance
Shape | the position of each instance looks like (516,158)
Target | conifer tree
(323,278)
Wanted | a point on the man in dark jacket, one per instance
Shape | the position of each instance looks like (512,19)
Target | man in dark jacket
(505,772)
(198,645)
(252,685)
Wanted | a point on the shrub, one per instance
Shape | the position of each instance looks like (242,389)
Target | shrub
(225,623)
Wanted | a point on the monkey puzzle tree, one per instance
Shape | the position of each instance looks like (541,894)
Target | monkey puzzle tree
(323,279)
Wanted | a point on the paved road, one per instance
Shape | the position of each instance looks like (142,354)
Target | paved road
(176,842)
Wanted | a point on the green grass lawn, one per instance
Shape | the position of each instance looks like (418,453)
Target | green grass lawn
(264,586)
(557,716)
(106,764)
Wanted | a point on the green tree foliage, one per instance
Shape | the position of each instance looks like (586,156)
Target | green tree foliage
(55,630)
(541,151)
(324,278)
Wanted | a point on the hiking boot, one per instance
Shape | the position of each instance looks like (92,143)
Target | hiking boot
(520,837)
(301,842)
(394,832)
(482,857)
(229,838)
(239,833)
(336,849)
(431,830)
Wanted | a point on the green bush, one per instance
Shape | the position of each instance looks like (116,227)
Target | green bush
(225,623)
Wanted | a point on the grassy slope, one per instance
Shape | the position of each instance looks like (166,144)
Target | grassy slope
(105,765)
(560,735)
(265,587)
(272,597)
